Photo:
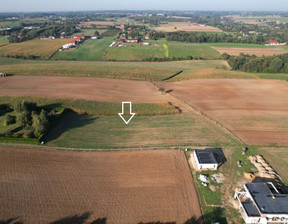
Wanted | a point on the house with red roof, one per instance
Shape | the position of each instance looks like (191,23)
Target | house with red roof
(75,36)
(147,37)
(273,42)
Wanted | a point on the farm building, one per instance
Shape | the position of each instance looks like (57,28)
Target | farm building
(2,74)
(147,37)
(205,159)
(262,203)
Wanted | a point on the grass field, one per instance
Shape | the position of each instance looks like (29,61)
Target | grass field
(42,49)
(87,131)
(121,70)
(93,107)
(280,76)
(88,51)
(277,158)
(257,18)
(212,73)
(240,45)
(134,52)
(3,40)
(90,32)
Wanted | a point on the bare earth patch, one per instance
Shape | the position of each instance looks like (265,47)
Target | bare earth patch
(236,51)
(40,186)
(254,110)
(186,27)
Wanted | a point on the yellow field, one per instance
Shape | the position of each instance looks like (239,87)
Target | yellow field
(179,26)
(42,49)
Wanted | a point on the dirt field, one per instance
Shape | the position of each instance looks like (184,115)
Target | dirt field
(104,90)
(254,110)
(42,49)
(40,186)
(186,27)
(236,51)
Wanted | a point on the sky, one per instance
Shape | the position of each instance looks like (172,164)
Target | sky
(72,5)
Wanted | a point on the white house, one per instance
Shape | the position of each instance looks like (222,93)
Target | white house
(205,159)
(262,203)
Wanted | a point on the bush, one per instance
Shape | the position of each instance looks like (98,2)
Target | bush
(10,120)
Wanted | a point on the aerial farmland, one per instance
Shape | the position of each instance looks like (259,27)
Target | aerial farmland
(112,116)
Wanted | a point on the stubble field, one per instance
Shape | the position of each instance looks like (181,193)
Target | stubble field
(254,110)
(43,49)
(111,187)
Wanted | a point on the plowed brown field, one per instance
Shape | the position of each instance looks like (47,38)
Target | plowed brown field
(105,90)
(236,51)
(254,110)
(40,186)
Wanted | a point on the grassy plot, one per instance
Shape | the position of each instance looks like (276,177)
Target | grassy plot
(280,76)
(161,49)
(213,74)
(87,131)
(90,70)
(277,157)
(88,51)
(3,40)
(237,45)
(42,49)
(92,107)
(195,50)
(134,52)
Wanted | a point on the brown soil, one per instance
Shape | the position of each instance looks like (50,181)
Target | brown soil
(236,51)
(105,90)
(40,186)
(186,27)
(254,110)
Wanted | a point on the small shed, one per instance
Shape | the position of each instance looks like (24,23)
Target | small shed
(205,159)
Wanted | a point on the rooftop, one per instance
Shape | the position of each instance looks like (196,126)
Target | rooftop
(250,209)
(266,201)
(205,156)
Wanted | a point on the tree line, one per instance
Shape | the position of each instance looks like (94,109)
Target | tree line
(247,63)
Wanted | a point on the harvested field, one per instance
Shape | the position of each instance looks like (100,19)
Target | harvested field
(118,187)
(186,27)
(43,49)
(254,110)
(236,51)
(107,90)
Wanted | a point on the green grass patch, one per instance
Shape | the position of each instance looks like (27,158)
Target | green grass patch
(280,76)
(134,71)
(88,51)
(3,40)
(88,131)
(240,45)
(110,33)
(93,107)
(194,50)
(139,52)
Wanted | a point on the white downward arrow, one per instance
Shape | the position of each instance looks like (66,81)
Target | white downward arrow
(131,114)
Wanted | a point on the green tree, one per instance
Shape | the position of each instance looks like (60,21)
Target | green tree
(276,65)
(96,33)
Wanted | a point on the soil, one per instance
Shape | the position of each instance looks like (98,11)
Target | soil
(45,186)
(256,111)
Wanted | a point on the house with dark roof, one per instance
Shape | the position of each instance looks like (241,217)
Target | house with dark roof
(262,203)
(205,159)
